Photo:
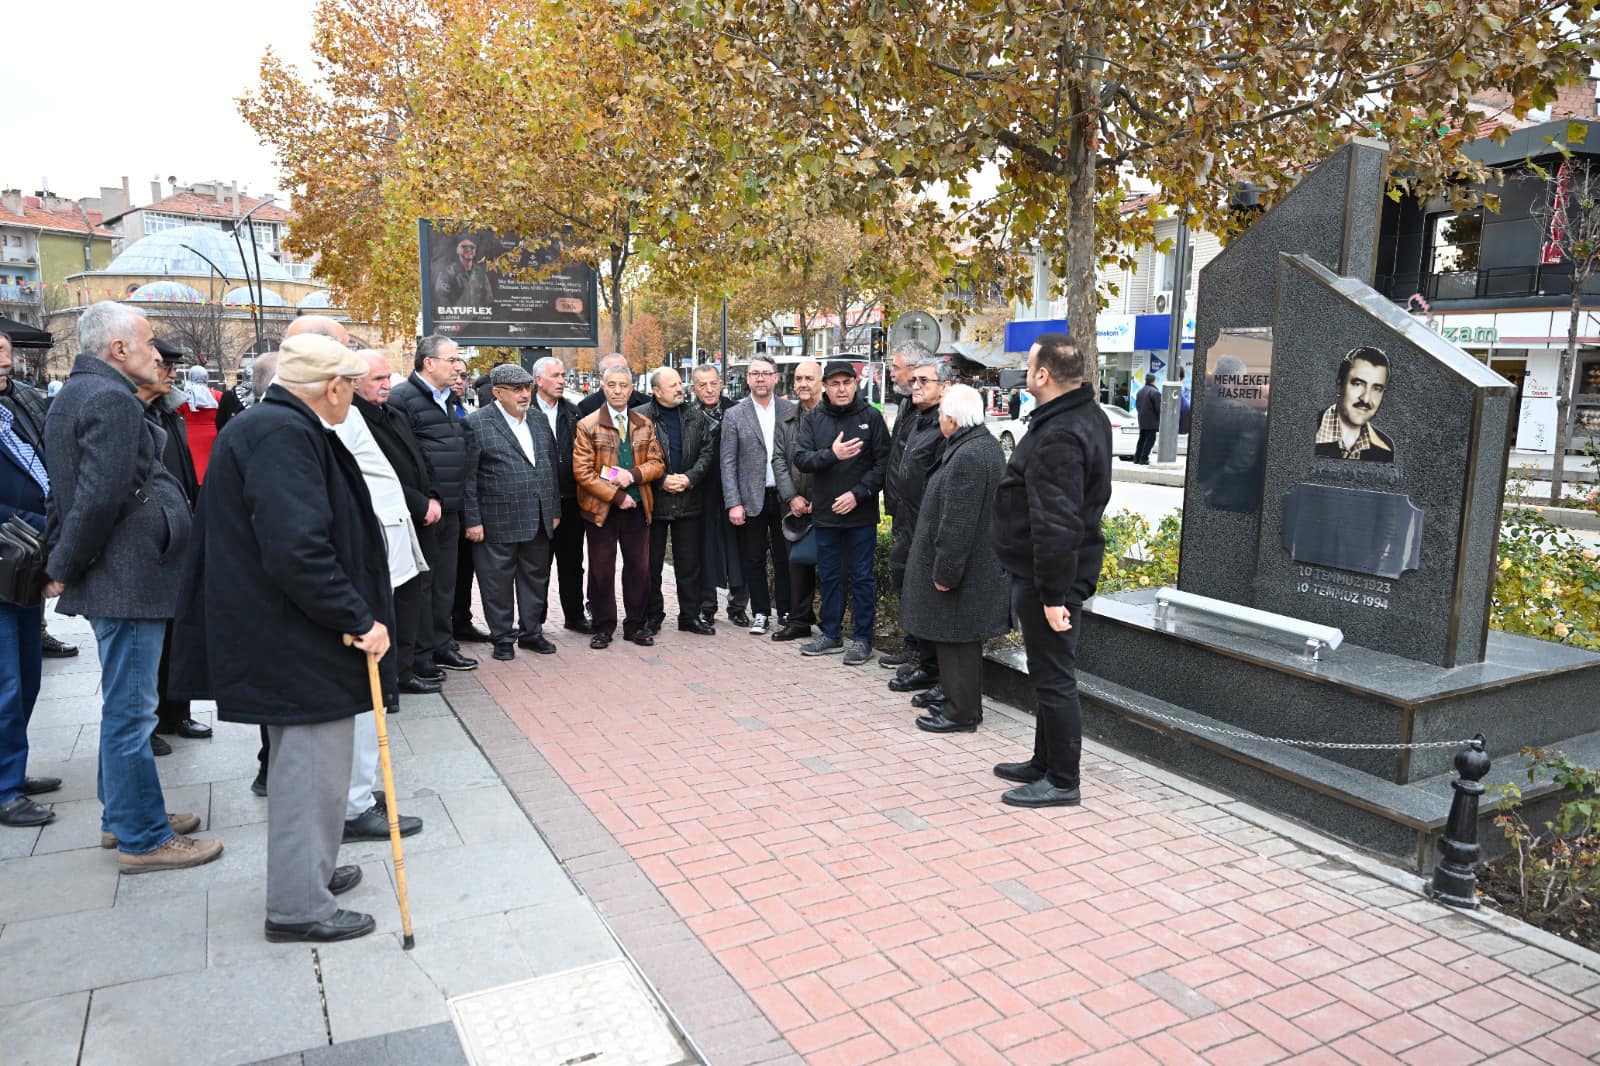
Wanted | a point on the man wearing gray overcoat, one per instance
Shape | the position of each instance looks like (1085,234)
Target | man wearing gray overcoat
(955,594)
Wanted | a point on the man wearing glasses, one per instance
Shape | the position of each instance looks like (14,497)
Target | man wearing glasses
(424,400)
(750,489)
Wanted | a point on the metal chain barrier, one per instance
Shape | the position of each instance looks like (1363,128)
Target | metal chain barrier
(1332,745)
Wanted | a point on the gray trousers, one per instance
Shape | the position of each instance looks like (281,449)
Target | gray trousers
(521,570)
(309,767)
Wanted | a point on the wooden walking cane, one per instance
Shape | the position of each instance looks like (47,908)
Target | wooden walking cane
(409,941)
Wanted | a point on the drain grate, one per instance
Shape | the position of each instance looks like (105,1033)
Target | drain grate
(599,1015)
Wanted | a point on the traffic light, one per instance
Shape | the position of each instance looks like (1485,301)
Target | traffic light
(880,343)
(699,355)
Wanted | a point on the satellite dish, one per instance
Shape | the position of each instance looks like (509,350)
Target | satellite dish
(916,326)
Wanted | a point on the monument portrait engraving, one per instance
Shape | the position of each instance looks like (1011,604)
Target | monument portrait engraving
(1345,429)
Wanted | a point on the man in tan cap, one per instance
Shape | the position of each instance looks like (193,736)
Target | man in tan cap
(293,558)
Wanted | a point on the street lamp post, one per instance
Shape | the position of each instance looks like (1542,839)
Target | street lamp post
(218,272)
(255,299)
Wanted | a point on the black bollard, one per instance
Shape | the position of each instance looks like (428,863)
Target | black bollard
(1455,880)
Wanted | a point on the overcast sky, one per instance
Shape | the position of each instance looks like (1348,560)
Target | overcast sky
(96,90)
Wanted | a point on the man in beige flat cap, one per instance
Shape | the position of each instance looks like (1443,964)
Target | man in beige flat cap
(293,558)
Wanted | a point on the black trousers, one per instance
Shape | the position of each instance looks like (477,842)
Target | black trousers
(1147,440)
(466,570)
(441,547)
(961,674)
(761,537)
(168,710)
(1052,671)
(413,625)
(802,595)
(685,534)
(568,547)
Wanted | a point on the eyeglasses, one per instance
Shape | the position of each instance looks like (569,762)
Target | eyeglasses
(761,374)
(922,379)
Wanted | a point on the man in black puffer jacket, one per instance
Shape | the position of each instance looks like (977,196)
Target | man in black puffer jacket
(844,445)
(423,400)
(1047,534)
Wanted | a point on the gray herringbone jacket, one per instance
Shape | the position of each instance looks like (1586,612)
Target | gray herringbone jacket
(509,497)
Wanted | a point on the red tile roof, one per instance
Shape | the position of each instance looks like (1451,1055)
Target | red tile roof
(39,218)
(190,203)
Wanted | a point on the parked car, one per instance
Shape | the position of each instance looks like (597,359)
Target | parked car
(1124,431)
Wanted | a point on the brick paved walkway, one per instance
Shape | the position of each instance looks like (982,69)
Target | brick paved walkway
(804,874)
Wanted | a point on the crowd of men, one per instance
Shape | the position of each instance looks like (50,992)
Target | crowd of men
(343,504)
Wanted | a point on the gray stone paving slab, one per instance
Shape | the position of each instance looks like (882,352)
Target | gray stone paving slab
(93,949)
(373,987)
(437,833)
(425,706)
(444,771)
(429,1045)
(48,743)
(440,891)
(232,802)
(481,815)
(44,1032)
(57,884)
(561,934)
(78,778)
(243,861)
(17,843)
(470,955)
(59,709)
(235,913)
(269,1007)
(77,823)
(426,735)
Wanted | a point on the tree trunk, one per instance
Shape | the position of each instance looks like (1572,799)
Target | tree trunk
(1083,303)
(1569,356)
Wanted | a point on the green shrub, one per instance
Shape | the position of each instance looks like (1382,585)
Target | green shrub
(1547,583)
(1555,867)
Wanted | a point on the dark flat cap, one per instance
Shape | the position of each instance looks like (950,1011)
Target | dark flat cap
(169,352)
(836,367)
(509,374)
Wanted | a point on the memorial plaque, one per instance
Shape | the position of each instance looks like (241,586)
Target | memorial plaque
(1352,529)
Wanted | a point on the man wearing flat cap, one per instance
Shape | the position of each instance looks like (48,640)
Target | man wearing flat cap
(511,511)
(290,559)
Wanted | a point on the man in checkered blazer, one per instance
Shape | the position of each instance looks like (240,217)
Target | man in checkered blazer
(511,511)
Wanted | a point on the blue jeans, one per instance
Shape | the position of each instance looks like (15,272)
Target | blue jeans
(19,688)
(134,810)
(840,551)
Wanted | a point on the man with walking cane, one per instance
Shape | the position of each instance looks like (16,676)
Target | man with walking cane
(290,559)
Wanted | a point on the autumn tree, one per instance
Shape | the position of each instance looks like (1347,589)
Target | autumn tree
(1570,212)
(1069,102)
(642,343)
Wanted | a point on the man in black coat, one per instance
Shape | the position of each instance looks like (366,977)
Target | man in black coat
(413,600)
(902,369)
(1047,535)
(844,445)
(423,400)
(719,559)
(560,415)
(684,438)
(290,559)
(1148,405)
(593,402)
(907,481)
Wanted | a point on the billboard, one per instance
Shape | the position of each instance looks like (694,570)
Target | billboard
(470,295)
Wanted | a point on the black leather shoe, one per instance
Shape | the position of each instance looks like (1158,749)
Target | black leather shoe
(600,641)
(643,639)
(259,785)
(22,813)
(373,824)
(38,786)
(1021,772)
(57,649)
(792,631)
(505,652)
(929,698)
(468,633)
(540,644)
(582,626)
(1041,794)
(453,660)
(344,879)
(159,746)
(938,723)
(189,729)
(738,616)
(652,627)
(415,686)
(895,660)
(344,925)
(695,625)
(430,674)
(918,678)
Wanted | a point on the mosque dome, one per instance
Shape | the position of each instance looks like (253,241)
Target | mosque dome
(185,251)
(243,297)
(320,300)
(171,292)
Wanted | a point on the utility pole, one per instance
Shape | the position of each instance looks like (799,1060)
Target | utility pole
(1172,389)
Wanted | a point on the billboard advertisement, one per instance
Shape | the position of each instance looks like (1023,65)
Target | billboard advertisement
(471,294)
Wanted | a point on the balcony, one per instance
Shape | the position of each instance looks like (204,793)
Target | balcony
(1496,283)
(27,295)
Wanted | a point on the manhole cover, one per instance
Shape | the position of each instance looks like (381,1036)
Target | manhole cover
(599,1015)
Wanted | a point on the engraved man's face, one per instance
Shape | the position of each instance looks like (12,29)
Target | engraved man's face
(1362,394)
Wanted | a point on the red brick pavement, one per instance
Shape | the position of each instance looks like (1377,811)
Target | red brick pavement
(860,881)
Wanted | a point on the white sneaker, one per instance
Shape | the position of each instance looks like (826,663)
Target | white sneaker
(758,623)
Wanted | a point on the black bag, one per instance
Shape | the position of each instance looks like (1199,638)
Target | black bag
(22,563)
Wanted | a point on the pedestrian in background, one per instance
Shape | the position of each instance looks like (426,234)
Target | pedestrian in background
(956,596)
(1148,405)
(1047,534)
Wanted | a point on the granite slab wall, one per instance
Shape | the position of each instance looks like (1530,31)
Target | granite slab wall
(1332,215)
(1418,589)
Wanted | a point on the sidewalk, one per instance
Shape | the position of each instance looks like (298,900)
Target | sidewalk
(166,968)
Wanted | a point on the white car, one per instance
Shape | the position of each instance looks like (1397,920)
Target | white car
(1124,430)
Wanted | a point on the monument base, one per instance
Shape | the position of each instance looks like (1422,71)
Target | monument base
(1201,697)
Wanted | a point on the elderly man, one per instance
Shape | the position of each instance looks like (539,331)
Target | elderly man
(750,489)
(412,597)
(119,524)
(615,460)
(719,559)
(513,509)
(561,416)
(596,399)
(902,369)
(424,400)
(684,439)
(292,560)
(794,488)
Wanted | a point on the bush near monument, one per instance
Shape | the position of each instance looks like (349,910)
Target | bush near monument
(1552,872)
